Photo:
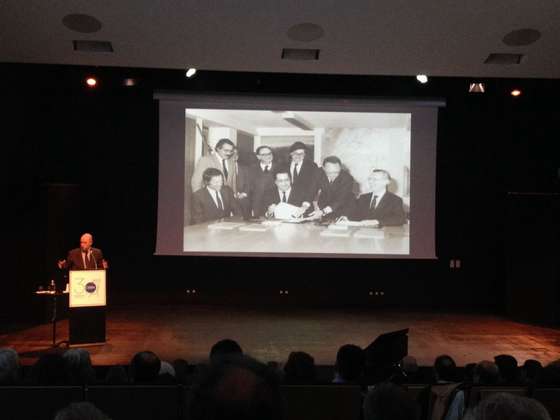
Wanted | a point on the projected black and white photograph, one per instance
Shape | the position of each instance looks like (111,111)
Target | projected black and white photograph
(297,182)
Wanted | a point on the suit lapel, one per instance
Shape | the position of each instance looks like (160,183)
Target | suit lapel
(209,197)
(382,203)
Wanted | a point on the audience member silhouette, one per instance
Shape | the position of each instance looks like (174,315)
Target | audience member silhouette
(350,364)
(388,401)
(300,369)
(502,406)
(144,368)
(226,347)
(236,387)
(81,411)
(9,367)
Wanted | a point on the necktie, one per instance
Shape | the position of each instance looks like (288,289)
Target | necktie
(283,196)
(373,203)
(225,168)
(296,173)
(219,200)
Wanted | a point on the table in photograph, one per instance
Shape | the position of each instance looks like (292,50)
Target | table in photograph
(234,236)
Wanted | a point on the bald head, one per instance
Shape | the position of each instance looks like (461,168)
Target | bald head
(86,241)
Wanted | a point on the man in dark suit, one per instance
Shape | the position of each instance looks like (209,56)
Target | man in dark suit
(303,172)
(283,192)
(215,200)
(335,190)
(379,207)
(261,179)
(85,257)
(242,185)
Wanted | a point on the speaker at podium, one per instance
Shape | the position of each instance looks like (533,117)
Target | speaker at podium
(87,306)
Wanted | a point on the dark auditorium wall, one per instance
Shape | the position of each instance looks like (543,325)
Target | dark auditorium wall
(104,143)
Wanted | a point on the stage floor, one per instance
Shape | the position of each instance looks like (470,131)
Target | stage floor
(188,331)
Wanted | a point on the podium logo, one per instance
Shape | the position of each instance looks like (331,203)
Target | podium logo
(91,287)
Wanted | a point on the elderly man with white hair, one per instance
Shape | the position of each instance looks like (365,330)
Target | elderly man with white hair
(85,257)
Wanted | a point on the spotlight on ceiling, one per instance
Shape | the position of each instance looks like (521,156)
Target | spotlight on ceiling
(477,87)
(515,93)
(190,72)
(422,78)
(91,82)
(129,82)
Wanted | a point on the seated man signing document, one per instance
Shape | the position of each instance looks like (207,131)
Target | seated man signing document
(282,201)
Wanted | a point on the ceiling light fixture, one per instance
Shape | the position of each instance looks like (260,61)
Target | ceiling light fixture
(422,78)
(190,72)
(129,82)
(515,93)
(477,87)
(91,82)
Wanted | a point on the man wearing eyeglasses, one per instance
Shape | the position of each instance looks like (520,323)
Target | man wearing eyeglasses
(261,179)
(221,159)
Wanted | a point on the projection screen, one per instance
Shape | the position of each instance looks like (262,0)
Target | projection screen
(295,176)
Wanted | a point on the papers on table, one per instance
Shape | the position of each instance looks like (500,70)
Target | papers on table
(348,223)
(254,227)
(225,225)
(285,211)
(369,233)
(336,233)
(271,223)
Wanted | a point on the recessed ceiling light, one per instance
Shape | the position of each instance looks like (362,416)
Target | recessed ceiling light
(422,78)
(515,92)
(521,37)
(91,82)
(305,32)
(84,24)
(190,72)
(129,81)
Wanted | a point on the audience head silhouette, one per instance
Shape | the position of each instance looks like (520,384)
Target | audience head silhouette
(299,369)
(350,363)
(236,387)
(226,347)
(503,406)
(81,411)
(145,367)
(9,367)
(389,402)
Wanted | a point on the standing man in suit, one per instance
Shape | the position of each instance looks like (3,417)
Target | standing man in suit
(261,176)
(220,159)
(85,257)
(283,192)
(379,207)
(242,185)
(303,172)
(215,200)
(335,190)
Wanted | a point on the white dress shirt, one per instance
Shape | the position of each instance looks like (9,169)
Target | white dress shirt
(213,195)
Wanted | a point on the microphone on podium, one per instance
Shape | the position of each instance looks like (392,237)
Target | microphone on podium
(90,254)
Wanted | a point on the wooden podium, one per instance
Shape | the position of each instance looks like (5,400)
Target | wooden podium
(87,303)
